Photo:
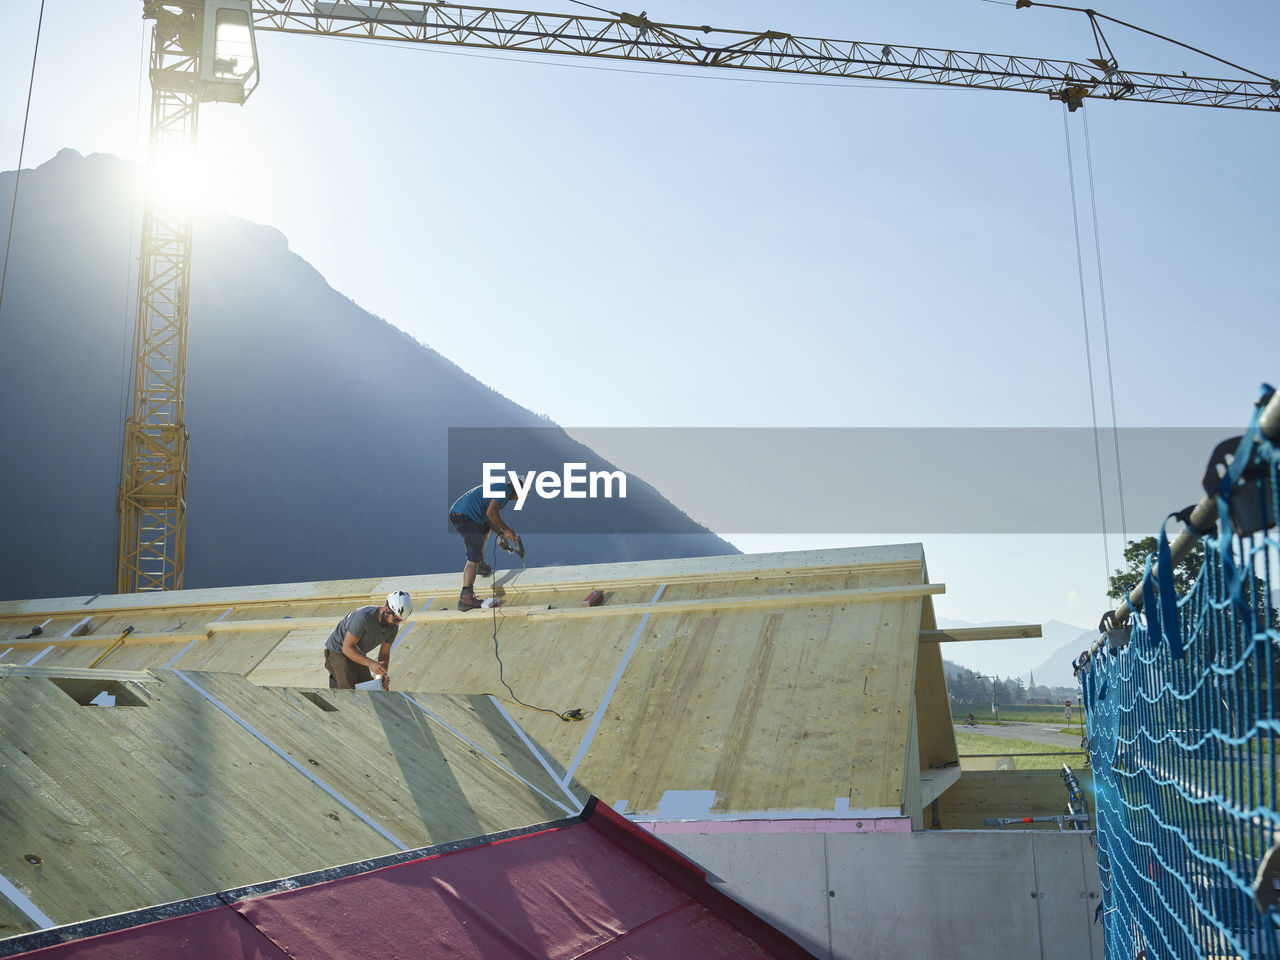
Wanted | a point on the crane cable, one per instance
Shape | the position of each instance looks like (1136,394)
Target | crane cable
(1106,336)
(22,147)
(1106,330)
(1093,16)
(612,13)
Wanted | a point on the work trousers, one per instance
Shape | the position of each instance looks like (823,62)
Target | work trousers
(344,673)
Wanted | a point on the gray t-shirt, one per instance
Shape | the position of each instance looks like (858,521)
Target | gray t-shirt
(363,622)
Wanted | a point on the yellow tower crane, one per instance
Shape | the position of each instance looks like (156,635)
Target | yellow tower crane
(204,50)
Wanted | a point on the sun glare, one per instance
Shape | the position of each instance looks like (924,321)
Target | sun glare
(213,178)
(176,181)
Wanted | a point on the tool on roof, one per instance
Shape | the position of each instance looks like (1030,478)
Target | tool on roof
(1075,817)
(513,545)
(1065,821)
(117,642)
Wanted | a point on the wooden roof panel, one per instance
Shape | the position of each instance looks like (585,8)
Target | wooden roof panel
(172,782)
(297,659)
(783,682)
(196,782)
(415,778)
(67,853)
(491,729)
(793,708)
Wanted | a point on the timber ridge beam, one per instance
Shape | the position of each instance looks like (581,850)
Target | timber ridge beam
(1017,631)
(544,612)
(306,592)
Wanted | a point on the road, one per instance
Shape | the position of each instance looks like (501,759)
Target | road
(1035,732)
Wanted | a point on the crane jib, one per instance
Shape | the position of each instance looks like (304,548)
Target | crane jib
(633,38)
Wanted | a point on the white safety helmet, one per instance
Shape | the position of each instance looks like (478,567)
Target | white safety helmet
(399,604)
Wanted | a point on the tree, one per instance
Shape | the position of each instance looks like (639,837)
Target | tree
(1135,555)
(964,684)
(1185,574)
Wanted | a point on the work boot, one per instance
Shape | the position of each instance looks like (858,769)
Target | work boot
(467,600)
(484,569)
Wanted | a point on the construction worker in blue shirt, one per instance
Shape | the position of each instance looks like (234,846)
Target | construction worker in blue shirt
(474,516)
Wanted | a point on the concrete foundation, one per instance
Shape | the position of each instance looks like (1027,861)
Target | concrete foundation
(999,895)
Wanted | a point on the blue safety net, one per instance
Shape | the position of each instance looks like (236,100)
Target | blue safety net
(1183,726)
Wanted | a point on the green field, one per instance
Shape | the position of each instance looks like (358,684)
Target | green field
(974,744)
(970,740)
(1021,713)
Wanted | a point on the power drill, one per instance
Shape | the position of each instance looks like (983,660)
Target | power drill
(513,545)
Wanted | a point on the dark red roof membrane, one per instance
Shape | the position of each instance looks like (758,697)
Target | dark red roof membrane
(599,886)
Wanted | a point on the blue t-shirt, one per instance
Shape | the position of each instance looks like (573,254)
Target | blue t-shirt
(474,503)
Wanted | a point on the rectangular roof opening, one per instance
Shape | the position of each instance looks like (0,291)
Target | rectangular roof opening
(99,693)
(319,701)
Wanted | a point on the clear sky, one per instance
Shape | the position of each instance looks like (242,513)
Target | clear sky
(616,246)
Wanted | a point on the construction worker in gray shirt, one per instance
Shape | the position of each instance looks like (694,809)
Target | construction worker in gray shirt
(346,652)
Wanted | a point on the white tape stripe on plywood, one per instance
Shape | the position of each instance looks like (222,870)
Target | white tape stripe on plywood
(465,739)
(406,630)
(32,661)
(179,655)
(23,903)
(524,737)
(289,760)
(617,678)
(72,631)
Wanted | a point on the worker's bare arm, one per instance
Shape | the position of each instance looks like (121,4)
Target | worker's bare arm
(496,521)
(384,658)
(351,649)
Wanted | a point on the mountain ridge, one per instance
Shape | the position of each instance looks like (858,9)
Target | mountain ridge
(320,433)
(1048,657)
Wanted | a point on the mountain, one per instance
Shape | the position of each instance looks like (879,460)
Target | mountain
(1055,670)
(325,443)
(1048,657)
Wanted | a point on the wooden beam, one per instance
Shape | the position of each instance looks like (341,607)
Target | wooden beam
(97,639)
(218,598)
(1017,631)
(357,591)
(545,611)
(525,584)
(1001,793)
(755,601)
(934,782)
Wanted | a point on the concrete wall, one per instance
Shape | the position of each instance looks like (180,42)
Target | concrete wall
(999,895)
